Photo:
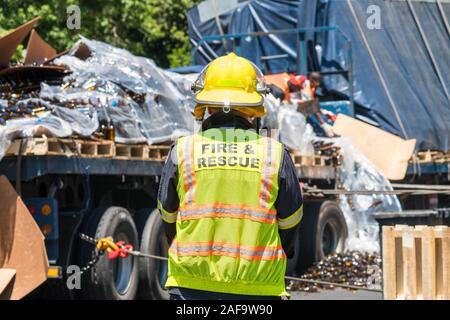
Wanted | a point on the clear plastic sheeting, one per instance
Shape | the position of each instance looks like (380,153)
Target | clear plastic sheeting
(295,133)
(47,124)
(164,112)
(4,141)
(73,117)
(270,121)
(358,174)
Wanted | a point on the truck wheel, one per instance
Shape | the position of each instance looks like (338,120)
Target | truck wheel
(331,230)
(323,231)
(110,279)
(153,272)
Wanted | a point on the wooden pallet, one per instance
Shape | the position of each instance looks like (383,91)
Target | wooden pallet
(158,152)
(431,157)
(87,148)
(303,160)
(42,146)
(35,146)
(311,161)
(129,151)
(416,262)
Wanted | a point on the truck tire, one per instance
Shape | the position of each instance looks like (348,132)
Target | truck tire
(109,279)
(331,230)
(323,231)
(153,272)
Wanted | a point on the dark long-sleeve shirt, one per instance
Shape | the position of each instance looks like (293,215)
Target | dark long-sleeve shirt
(288,202)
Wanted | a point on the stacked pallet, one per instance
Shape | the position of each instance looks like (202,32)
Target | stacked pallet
(86,148)
(431,157)
(326,154)
(416,262)
(44,146)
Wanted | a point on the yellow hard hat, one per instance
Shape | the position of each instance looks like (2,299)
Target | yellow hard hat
(230,82)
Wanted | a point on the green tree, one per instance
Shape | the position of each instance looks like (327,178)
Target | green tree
(153,28)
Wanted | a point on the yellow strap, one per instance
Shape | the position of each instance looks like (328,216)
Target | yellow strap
(107,244)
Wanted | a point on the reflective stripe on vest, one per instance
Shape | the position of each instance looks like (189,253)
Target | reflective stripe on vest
(227,249)
(292,220)
(227,211)
(188,172)
(227,228)
(267,173)
(169,217)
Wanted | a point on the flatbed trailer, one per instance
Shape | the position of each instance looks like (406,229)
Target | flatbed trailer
(100,188)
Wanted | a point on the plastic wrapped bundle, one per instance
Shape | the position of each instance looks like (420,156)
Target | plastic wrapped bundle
(107,87)
(156,104)
(295,132)
(356,174)
(359,174)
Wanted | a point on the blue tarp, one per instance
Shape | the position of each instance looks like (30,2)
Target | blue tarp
(249,17)
(412,103)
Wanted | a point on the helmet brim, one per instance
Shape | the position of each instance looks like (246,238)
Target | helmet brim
(229,97)
(257,112)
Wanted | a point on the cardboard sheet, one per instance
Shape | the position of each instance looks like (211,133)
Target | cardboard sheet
(38,51)
(7,277)
(9,42)
(388,153)
(22,245)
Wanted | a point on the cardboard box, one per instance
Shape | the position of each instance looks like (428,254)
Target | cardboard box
(23,258)
(388,153)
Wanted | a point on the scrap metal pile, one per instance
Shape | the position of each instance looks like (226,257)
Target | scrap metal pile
(328,150)
(353,269)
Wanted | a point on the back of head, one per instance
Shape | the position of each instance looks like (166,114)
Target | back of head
(315,76)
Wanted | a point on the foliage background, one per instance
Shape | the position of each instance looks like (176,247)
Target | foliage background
(152,28)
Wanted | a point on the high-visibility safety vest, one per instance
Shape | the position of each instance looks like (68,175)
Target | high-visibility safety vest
(227,236)
(281,81)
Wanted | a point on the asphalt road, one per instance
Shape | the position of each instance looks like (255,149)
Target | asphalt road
(337,294)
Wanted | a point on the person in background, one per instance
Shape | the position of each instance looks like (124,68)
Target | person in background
(299,90)
(308,93)
(282,85)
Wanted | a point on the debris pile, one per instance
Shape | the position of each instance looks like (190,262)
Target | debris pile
(326,148)
(353,268)
(14,106)
(92,91)
(355,173)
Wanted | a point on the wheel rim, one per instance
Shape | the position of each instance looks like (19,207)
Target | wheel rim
(122,268)
(329,238)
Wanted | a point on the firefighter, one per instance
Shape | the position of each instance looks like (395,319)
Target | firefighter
(229,197)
